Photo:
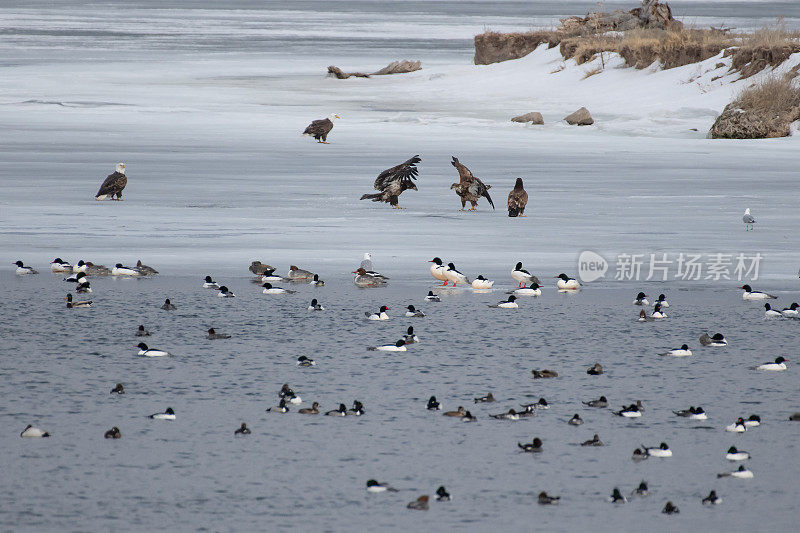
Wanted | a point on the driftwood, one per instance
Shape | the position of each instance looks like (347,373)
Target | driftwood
(338,73)
(395,67)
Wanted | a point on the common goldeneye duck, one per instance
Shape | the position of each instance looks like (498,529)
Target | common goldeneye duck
(168,305)
(692,413)
(753,421)
(410,337)
(737,427)
(717,340)
(210,283)
(80,277)
(380,315)
(411,311)
(482,283)
(533,290)
(305,361)
(617,497)
(375,486)
(670,508)
(661,451)
(225,292)
(23,270)
(565,283)
(432,297)
(531,447)
(357,410)
(288,393)
(341,411)
(399,346)
(510,303)
(59,265)
(32,432)
(778,366)
(545,499)
(791,311)
(632,411)
(594,441)
(769,312)
(71,304)
(211,335)
(741,473)
(280,408)
(642,490)
(595,370)
(750,294)
(683,351)
(522,276)
(662,300)
(442,495)
(150,352)
(121,270)
(644,317)
(641,299)
(119,389)
(510,415)
(267,278)
(269,289)
(317,282)
(313,410)
(712,499)
(298,274)
(600,402)
(459,413)
(658,313)
(733,454)
(541,403)
(243,430)
(485,399)
(113,433)
(454,275)
(141,332)
(83,288)
(527,411)
(433,404)
(420,504)
(543,374)
(576,420)
(169,414)
(315,306)
(468,417)
(639,455)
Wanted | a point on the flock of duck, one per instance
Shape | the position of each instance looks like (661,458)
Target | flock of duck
(366,277)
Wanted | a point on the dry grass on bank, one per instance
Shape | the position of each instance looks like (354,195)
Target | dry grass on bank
(771,96)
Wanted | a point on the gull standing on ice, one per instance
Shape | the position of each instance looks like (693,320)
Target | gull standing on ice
(748,220)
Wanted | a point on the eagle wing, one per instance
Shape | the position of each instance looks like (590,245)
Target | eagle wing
(395,176)
(464,173)
(319,127)
(113,184)
(517,200)
(478,189)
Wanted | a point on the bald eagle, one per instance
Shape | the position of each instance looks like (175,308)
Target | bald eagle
(319,129)
(469,188)
(113,184)
(393,181)
(517,200)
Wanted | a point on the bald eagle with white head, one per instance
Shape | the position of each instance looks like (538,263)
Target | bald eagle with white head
(469,188)
(319,129)
(393,181)
(113,184)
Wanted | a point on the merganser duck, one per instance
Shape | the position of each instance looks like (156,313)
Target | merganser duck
(733,454)
(410,337)
(374,486)
(120,270)
(80,277)
(485,399)
(268,278)
(533,290)
(778,366)
(224,292)
(692,413)
(712,499)
(641,299)
(150,352)
(211,335)
(753,421)
(643,317)
(683,351)
(298,274)
(399,346)
(468,417)
(576,420)
(642,490)
(438,270)
(565,283)
(632,411)
(90,268)
(411,311)
(600,402)
(84,288)
(661,451)
(259,269)
(169,414)
(750,294)
(85,303)
(482,283)
(658,313)
(432,297)
(144,269)
(617,497)
(420,504)
(595,370)
(531,447)
(58,265)
(717,340)
(287,393)
(269,289)
(32,432)
(141,332)
(364,280)
(316,282)
(594,441)
(313,410)
(741,473)
(433,404)
(670,508)
(545,499)
(769,312)
(454,275)
(639,455)
(315,306)
(168,305)
(243,430)
(459,413)
(662,299)
(442,495)
(542,374)
(341,411)
(791,311)
(119,389)
(510,415)
(380,315)
(357,410)
(23,270)
(510,303)
(280,408)
(366,264)
(305,361)
(522,276)
(210,283)
(113,433)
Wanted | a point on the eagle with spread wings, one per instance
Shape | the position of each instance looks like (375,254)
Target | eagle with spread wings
(469,188)
(393,181)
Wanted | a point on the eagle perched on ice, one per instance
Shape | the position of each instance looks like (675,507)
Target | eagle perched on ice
(469,188)
(517,200)
(393,181)
(319,129)
(113,184)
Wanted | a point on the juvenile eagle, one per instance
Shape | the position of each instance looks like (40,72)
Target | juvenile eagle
(469,188)
(517,200)
(113,184)
(393,181)
(319,129)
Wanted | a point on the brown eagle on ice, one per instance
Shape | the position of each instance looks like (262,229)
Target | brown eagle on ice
(319,129)
(393,181)
(517,200)
(113,184)
(469,188)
